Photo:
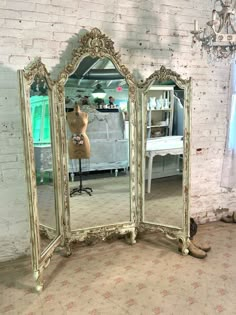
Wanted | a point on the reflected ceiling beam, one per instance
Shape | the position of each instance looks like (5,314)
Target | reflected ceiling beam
(100,64)
(103,74)
(123,82)
(95,83)
(88,69)
(109,83)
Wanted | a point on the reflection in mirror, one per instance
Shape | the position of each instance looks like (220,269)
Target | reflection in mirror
(164,154)
(97,114)
(41,132)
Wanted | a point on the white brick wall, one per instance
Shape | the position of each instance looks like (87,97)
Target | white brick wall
(148,34)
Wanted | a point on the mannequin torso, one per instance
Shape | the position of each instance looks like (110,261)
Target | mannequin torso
(79,146)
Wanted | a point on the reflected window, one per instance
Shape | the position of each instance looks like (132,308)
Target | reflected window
(40,119)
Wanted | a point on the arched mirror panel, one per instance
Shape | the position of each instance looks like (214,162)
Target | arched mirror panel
(42,163)
(165,133)
(98,117)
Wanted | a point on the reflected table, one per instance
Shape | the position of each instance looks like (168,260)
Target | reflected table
(162,146)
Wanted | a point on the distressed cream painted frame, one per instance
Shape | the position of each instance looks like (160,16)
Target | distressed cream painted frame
(40,260)
(170,231)
(97,44)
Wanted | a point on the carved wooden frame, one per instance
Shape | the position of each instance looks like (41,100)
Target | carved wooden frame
(40,260)
(97,44)
(170,231)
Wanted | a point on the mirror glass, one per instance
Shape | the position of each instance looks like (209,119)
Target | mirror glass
(97,118)
(41,133)
(164,114)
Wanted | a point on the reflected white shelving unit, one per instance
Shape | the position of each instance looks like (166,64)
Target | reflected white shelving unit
(160,116)
(160,111)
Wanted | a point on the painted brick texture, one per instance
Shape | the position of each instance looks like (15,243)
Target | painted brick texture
(148,34)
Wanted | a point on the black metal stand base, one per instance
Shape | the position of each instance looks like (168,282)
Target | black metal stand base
(79,190)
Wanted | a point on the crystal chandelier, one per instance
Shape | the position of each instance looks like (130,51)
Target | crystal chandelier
(218,39)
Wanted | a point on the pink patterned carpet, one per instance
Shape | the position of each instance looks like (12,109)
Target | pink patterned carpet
(148,278)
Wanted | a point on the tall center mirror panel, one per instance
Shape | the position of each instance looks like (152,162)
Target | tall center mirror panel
(97,132)
(164,102)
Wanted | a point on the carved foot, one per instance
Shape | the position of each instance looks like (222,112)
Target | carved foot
(39,287)
(39,281)
(68,249)
(185,251)
(131,237)
(183,246)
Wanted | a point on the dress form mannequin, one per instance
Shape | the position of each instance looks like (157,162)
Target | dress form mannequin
(79,145)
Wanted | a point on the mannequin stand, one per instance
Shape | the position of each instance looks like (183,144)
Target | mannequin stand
(80,189)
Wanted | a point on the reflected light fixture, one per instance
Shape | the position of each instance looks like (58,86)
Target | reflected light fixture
(99,92)
(218,38)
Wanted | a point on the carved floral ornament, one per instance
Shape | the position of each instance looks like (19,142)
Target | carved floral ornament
(96,41)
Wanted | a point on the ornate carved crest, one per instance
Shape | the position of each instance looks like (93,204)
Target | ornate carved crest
(164,74)
(36,67)
(97,41)
(95,44)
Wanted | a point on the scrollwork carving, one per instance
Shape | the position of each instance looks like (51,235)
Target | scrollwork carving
(91,236)
(96,41)
(36,67)
(165,74)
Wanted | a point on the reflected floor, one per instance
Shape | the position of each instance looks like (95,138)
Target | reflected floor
(44,242)
(46,204)
(109,203)
(164,204)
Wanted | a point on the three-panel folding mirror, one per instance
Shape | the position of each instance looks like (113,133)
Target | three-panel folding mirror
(104,156)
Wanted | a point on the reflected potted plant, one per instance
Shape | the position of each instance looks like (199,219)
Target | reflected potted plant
(99,102)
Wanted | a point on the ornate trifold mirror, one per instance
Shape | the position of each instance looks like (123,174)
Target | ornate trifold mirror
(96,166)
(165,99)
(40,132)
(97,100)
